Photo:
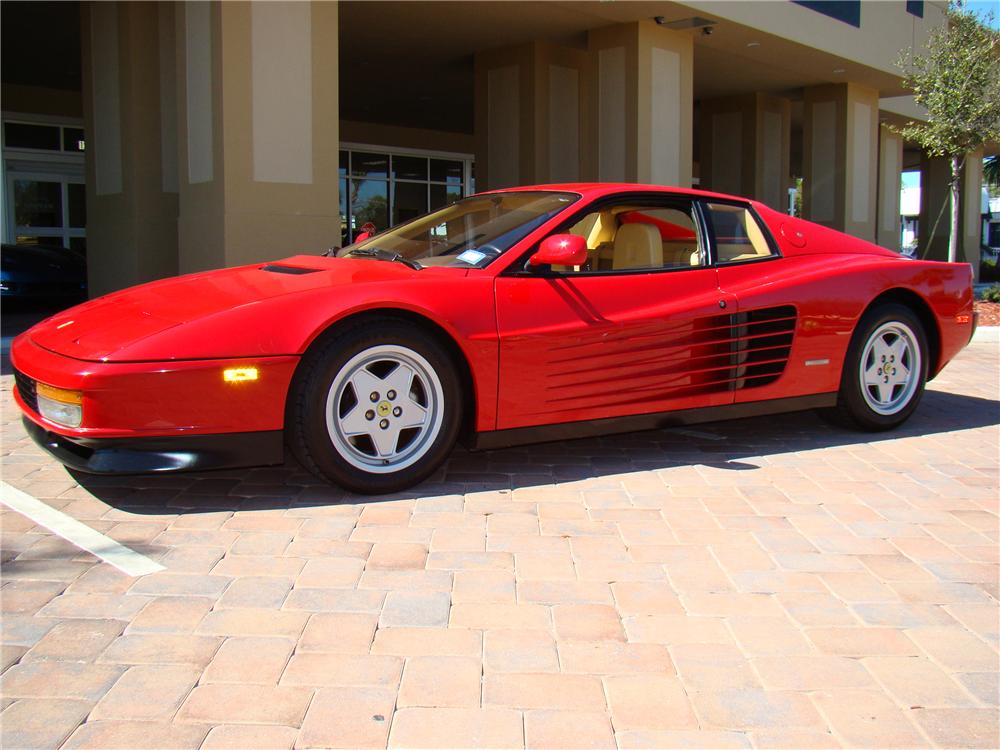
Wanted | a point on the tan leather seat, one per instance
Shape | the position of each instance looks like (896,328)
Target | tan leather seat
(637,246)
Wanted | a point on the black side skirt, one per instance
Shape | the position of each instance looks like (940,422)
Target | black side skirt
(636,423)
(157,454)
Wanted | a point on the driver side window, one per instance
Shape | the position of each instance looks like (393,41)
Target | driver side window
(638,236)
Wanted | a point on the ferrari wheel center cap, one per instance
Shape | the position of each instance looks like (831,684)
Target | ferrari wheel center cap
(383,409)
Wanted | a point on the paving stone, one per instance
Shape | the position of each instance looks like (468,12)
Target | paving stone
(862,642)
(395,555)
(330,573)
(955,649)
(40,722)
(587,622)
(248,737)
(961,727)
(519,651)
(141,648)
(249,660)
(59,679)
(812,672)
(794,739)
(24,630)
(751,708)
(246,704)
(256,591)
(555,691)
(338,670)
(768,636)
(181,584)
(95,606)
(11,655)
(441,681)
(334,600)
(415,609)
(253,621)
(867,718)
(342,633)
(77,640)
(483,587)
(445,728)
(567,730)
(612,657)
(427,642)
(641,702)
(681,739)
(405,580)
(645,598)
(704,666)
(915,681)
(129,735)
(246,566)
(670,629)
(170,614)
(348,718)
(27,596)
(147,693)
(500,616)
(984,685)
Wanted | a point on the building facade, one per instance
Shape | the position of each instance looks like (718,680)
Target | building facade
(226,133)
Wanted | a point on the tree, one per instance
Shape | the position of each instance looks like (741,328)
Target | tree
(957,80)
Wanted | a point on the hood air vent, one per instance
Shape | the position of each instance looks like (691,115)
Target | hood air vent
(293,270)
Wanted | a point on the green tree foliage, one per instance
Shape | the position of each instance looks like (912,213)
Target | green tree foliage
(956,78)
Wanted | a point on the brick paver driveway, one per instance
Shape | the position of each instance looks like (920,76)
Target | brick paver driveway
(767,583)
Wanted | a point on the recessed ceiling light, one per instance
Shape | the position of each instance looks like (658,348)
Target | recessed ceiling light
(753,44)
(839,70)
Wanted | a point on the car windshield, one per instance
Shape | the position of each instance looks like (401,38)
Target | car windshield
(469,233)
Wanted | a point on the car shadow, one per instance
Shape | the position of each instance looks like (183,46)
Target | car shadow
(724,445)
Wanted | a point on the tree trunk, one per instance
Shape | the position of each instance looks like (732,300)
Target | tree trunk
(956,169)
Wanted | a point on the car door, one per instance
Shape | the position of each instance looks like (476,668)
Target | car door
(641,328)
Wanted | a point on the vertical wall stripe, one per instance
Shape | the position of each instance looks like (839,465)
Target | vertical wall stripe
(564,124)
(771,160)
(889,203)
(973,194)
(611,118)
(198,73)
(168,97)
(823,156)
(665,130)
(107,134)
(861,162)
(281,51)
(727,153)
(503,149)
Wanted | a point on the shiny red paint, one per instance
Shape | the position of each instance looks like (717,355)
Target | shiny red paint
(539,349)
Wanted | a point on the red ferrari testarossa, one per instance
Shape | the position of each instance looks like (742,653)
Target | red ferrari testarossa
(512,316)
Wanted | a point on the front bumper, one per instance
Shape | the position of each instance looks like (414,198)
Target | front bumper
(160,454)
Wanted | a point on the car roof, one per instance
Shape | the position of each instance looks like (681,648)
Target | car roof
(597,189)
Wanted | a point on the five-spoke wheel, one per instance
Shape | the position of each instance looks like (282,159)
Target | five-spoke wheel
(376,408)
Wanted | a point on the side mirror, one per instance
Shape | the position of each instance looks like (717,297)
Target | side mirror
(560,250)
(362,237)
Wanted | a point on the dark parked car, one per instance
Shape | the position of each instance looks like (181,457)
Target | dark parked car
(39,272)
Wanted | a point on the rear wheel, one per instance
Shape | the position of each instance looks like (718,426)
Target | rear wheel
(885,370)
(377,409)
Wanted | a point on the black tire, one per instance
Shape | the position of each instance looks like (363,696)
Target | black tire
(858,405)
(321,443)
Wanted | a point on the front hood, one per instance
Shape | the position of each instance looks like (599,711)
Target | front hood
(102,329)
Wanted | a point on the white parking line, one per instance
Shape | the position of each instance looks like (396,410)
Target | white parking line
(128,561)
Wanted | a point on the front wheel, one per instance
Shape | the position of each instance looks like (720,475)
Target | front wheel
(377,409)
(885,370)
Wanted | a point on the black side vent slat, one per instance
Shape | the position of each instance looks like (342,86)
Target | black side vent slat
(26,388)
(762,343)
(293,270)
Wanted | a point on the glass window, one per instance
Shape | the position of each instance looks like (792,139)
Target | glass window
(344,162)
(410,201)
(73,139)
(343,213)
(77,199)
(637,236)
(471,232)
(369,204)
(79,244)
(442,195)
(37,204)
(446,171)
(23,135)
(409,168)
(369,165)
(738,236)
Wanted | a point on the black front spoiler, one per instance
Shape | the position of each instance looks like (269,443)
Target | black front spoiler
(159,454)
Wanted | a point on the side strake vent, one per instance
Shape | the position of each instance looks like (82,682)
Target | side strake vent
(666,359)
(293,270)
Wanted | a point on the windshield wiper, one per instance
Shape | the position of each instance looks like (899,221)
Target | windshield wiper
(374,252)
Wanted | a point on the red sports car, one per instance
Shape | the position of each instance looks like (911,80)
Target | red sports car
(513,316)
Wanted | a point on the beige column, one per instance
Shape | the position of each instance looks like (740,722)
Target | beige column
(258,121)
(130,120)
(746,147)
(528,102)
(935,173)
(840,157)
(971,211)
(638,127)
(890,180)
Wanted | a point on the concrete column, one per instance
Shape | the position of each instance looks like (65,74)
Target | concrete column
(746,147)
(890,180)
(640,113)
(258,122)
(971,215)
(130,119)
(527,114)
(840,157)
(935,172)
